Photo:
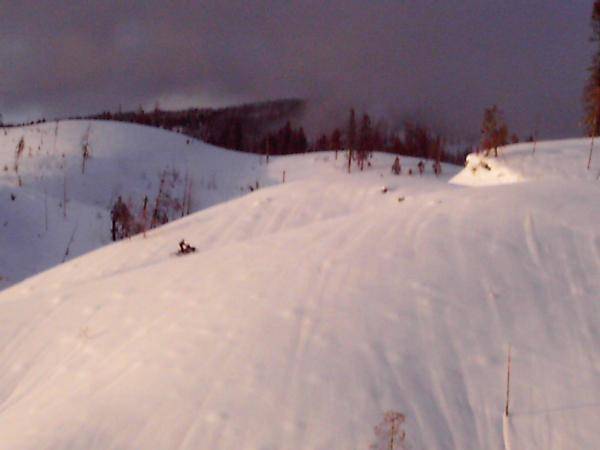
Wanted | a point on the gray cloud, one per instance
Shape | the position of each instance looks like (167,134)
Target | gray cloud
(442,60)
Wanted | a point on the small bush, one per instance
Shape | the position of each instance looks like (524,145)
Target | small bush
(389,434)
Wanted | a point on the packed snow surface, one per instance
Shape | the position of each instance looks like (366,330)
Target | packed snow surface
(312,307)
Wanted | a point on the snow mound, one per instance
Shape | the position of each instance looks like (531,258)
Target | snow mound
(565,159)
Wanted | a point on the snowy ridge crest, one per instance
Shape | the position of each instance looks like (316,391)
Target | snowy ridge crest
(566,160)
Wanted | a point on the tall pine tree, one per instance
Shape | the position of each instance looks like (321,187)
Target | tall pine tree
(365,141)
(351,137)
(336,141)
(493,130)
(591,94)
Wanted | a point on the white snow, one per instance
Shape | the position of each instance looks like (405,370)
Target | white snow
(311,307)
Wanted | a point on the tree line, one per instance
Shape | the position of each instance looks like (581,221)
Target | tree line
(274,128)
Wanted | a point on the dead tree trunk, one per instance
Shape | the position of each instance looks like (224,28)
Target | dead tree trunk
(506,408)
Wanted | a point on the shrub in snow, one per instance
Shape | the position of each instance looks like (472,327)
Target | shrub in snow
(18,154)
(166,205)
(389,434)
(396,167)
(128,220)
(121,220)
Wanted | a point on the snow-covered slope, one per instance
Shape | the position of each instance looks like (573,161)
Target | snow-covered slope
(311,307)
(124,160)
(552,160)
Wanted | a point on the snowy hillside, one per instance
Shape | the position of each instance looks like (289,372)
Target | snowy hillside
(553,160)
(312,307)
(123,160)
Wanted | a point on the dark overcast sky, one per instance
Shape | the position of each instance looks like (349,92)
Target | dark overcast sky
(442,60)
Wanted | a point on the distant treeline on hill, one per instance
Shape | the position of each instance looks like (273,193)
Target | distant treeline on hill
(237,127)
(272,128)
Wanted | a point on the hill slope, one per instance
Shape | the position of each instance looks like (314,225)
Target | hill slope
(124,160)
(313,306)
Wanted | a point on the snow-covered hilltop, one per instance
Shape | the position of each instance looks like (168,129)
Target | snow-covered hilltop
(312,307)
(553,160)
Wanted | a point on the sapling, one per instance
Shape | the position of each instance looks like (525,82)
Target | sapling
(506,408)
(85,148)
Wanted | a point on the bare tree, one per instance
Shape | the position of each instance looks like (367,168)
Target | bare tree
(63,166)
(18,154)
(506,407)
(85,147)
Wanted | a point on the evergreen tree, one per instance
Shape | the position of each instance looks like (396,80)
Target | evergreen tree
(300,143)
(494,131)
(285,138)
(365,142)
(322,143)
(336,141)
(121,220)
(592,89)
(351,137)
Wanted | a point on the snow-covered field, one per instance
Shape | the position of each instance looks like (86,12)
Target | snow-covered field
(309,308)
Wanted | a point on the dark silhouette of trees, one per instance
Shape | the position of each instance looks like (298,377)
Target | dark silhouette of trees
(336,141)
(591,94)
(299,141)
(243,127)
(322,143)
(274,128)
(285,141)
